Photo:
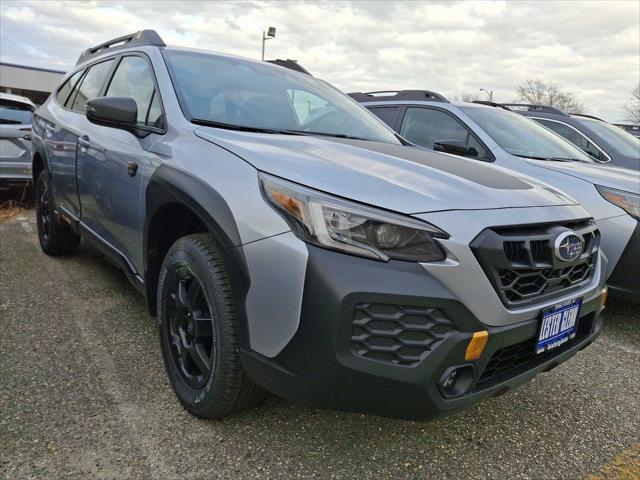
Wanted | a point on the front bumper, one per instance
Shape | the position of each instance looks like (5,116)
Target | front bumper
(323,366)
(624,281)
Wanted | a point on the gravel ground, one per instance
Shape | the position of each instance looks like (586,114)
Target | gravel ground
(83,394)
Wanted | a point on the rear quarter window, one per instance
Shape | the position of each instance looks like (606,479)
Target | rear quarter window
(63,92)
(15,113)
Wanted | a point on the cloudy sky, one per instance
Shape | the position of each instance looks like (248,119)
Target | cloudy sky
(590,48)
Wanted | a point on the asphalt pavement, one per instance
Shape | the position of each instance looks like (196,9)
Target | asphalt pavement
(83,394)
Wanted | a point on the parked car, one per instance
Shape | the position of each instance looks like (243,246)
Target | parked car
(629,128)
(16,115)
(287,240)
(604,142)
(496,135)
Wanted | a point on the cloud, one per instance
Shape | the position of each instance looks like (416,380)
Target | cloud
(590,48)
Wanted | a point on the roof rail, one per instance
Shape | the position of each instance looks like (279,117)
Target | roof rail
(140,38)
(290,64)
(588,116)
(398,95)
(491,104)
(536,108)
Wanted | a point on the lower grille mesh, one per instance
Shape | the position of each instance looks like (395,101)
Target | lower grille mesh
(397,334)
(510,361)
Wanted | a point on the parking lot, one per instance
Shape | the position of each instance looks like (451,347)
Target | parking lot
(84,395)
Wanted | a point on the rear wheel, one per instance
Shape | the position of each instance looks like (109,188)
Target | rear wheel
(56,239)
(199,332)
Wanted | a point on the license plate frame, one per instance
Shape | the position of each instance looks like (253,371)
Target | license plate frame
(558,325)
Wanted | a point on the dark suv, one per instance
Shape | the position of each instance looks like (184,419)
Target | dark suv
(605,142)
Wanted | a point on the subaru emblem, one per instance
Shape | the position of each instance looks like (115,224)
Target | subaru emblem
(568,246)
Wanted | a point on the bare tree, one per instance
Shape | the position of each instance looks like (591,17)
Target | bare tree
(632,110)
(540,92)
(465,97)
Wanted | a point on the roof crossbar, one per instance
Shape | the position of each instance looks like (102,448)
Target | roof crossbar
(140,38)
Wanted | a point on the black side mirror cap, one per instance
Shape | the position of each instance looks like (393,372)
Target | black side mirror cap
(117,112)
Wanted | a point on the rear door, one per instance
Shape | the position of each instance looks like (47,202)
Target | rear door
(15,139)
(65,125)
(111,162)
(388,115)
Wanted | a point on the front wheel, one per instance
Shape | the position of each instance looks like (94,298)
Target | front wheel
(199,332)
(56,239)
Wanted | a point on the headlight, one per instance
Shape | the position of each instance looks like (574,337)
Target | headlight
(338,224)
(629,202)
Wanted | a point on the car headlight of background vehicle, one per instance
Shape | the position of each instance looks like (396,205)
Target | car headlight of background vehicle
(338,224)
(629,202)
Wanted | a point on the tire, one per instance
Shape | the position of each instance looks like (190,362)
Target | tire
(56,239)
(199,333)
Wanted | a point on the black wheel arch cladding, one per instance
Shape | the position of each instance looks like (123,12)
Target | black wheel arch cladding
(170,185)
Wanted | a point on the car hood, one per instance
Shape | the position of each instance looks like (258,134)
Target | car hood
(606,175)
(404,179)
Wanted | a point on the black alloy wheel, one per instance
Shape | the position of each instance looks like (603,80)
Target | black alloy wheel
(190,329)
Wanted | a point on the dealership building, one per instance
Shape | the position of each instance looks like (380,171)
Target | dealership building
(31,82)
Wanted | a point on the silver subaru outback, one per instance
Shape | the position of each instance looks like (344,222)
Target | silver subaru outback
(287,240)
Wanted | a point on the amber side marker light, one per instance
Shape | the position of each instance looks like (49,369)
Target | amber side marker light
(476,345)
(605,292)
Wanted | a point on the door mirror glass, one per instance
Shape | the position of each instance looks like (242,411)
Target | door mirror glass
(117,112)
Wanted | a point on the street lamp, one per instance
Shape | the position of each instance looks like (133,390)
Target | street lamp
(490,93)
(268,35)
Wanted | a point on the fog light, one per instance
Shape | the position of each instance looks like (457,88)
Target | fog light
(450,381)
(457,380)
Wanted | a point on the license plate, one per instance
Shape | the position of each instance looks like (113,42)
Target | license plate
(558,325)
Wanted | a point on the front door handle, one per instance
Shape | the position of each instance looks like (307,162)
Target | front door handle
(84,143)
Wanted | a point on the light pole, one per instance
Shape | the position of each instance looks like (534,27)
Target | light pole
(268,35)
(490,93)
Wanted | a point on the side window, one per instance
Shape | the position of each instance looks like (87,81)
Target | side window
(574,137)
(388,115)
(91,84)
(133,79)
(63,92)
(426,127)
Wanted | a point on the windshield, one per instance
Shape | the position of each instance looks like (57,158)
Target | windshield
(622,141)
(523,137)
(14,113)
(254,95)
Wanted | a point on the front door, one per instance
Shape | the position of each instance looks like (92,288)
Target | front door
(111,162)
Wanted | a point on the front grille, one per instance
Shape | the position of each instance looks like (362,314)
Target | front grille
(397,334)
(521,264)
(515,359)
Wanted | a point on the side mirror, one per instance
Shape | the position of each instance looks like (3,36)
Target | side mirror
(457,147)
(117,112)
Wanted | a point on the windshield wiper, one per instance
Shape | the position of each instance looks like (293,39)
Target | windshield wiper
(549,159)
(241,128)
(245,128)
(325,134)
